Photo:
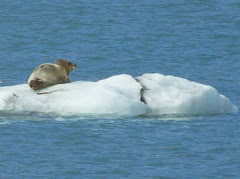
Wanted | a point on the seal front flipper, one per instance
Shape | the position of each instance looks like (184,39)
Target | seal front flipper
(68,80)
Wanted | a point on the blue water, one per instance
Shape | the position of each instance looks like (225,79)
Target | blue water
(195,40)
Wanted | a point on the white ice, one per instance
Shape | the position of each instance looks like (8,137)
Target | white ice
(174,95)
(118,95)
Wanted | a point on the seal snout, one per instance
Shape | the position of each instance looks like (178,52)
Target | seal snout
(74,66)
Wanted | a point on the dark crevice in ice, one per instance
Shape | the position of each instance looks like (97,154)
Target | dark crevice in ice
(142,98)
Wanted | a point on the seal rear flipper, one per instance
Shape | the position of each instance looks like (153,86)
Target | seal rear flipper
(37,84)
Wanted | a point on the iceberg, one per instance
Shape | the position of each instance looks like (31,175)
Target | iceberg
(118,95)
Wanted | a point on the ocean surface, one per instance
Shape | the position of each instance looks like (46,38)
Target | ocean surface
(195,40)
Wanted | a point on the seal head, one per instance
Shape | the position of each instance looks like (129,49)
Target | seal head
(67,65)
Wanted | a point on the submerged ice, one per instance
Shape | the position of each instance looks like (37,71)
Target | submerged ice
(119,95)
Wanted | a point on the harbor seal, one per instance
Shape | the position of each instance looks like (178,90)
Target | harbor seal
(49,74)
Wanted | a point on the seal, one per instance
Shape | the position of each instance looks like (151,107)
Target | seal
(49,74)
